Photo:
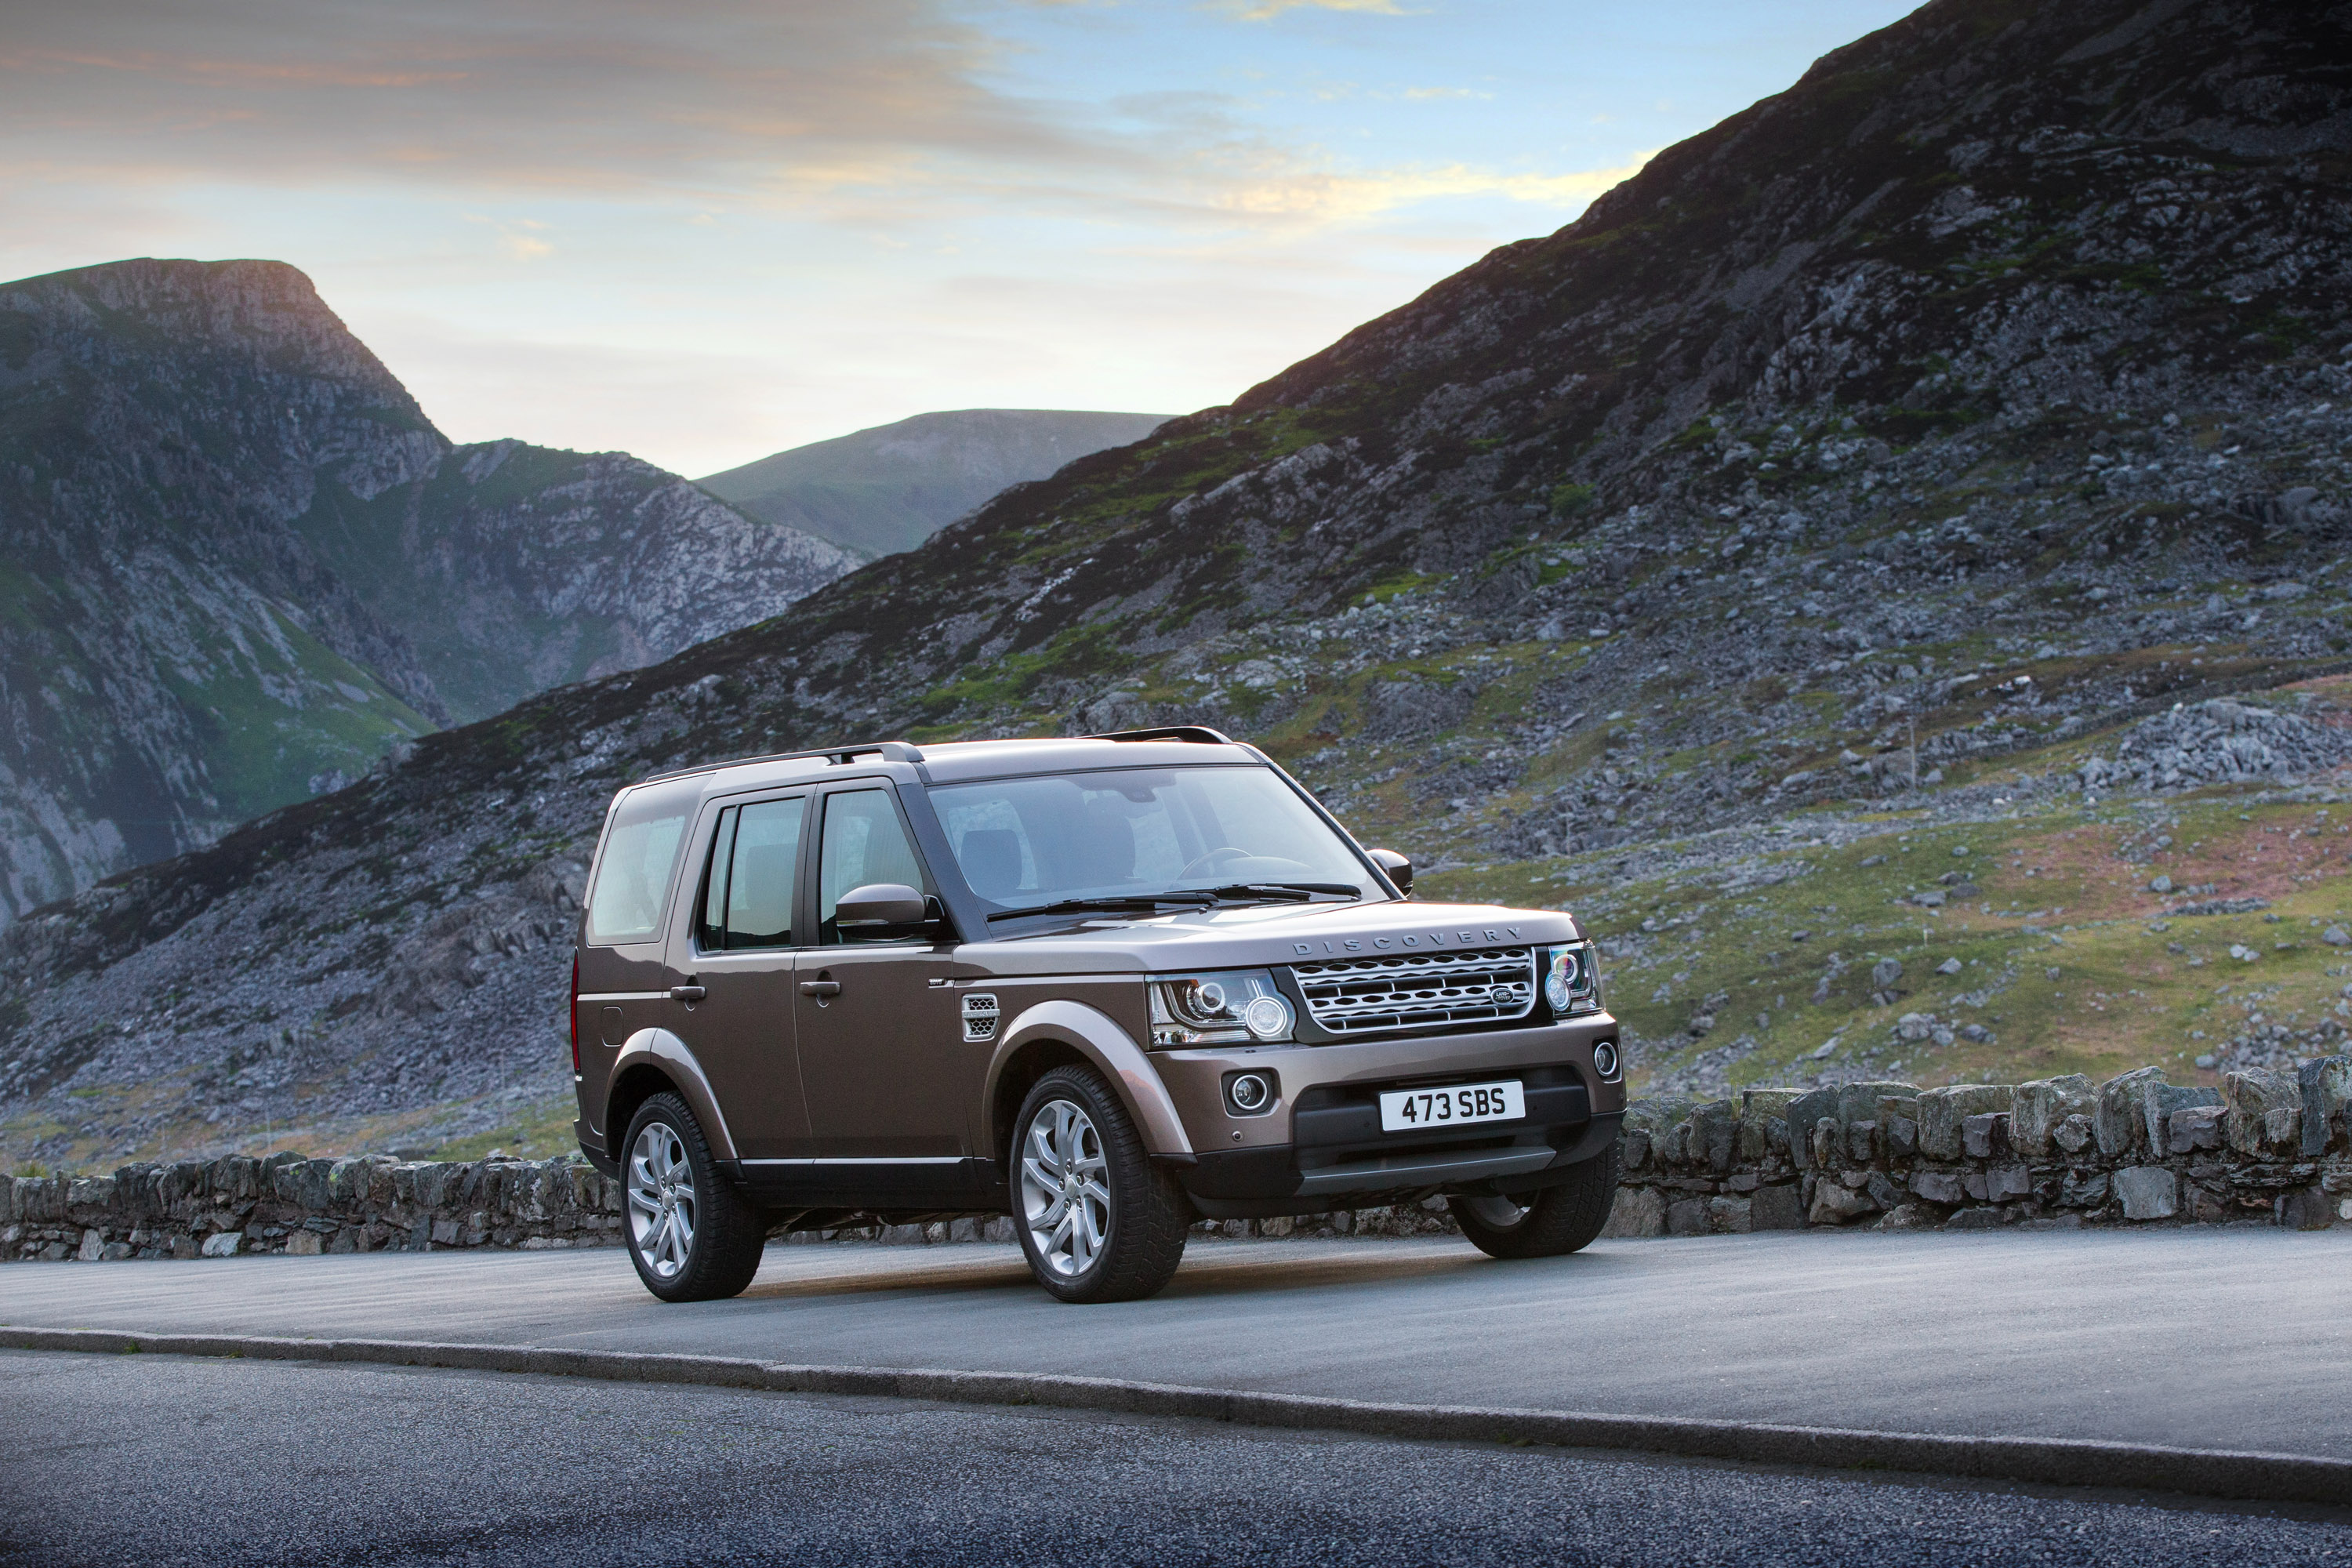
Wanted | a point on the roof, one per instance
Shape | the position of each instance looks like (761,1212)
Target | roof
(956,761)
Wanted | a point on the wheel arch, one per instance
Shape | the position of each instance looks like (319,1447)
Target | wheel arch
(1058,1034)
(654,1061)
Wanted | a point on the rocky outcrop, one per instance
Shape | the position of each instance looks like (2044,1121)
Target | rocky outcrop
(522,568)
(239,564)
(2218,742)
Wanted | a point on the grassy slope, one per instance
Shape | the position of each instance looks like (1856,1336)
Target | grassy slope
(2068,959)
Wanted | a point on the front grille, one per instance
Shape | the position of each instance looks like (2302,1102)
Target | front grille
(1418,990)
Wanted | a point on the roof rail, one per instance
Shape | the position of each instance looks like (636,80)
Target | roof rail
(838,756)
(1194,734)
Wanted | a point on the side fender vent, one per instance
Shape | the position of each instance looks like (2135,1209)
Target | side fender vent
(979,1016)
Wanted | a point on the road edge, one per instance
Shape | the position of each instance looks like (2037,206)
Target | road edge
(2050,1461)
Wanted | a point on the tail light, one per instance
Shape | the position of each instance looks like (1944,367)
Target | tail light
(574,1020)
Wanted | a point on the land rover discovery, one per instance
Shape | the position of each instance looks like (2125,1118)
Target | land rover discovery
(1107,986)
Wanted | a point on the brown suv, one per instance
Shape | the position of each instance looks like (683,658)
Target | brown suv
(1107,986)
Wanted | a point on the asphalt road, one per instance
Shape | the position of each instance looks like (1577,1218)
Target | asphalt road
(2236,1337)
(158,1459)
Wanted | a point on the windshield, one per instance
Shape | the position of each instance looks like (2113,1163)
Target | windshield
(1127,832)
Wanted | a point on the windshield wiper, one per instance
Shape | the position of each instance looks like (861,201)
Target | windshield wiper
(1121,903)
(1298,891)
(1193,897)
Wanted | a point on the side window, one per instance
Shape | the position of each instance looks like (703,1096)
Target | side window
(864,843)
(633,875)
(748,889)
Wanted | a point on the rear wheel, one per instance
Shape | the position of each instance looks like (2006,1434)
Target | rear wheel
(1098,1220)
(691,1235)
(1548,1222)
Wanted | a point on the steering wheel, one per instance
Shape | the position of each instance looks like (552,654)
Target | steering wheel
(1215,859)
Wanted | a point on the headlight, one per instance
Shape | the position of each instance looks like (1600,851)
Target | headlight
(1228,1007)
(1571,979)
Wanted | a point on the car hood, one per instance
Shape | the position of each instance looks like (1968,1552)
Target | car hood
(1261,935)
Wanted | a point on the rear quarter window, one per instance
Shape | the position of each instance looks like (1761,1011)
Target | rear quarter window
(634,874)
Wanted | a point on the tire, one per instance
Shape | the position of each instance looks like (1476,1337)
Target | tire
(1114,1229)
(1558,1220)
(689,1232)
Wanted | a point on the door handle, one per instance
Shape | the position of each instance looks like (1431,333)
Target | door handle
(685,993)
(820,987)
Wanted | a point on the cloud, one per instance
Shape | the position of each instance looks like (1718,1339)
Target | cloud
(600,95)
(1267,10)
(1322,196)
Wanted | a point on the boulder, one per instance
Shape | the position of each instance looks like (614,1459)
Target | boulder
(1637,1210)
(1942,1111)
(2148,1192)
(1805,1113)
(2037,1109)
(1835,1202)
(2006,1184)
(2306,1208)
(1985,1136)
(223,1243)
(2074,1134)
(1688,1218)
(1714,1135)
(1732,1215)
(2193,1128)
(2252,1097)
(2325,1086)
(1776,1208)
(2118,1120)
(2158,1102)
(1938,1187)
(1762,1113)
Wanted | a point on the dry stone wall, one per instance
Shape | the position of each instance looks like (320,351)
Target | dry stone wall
(2267,1147)
(2263,1146)
(286,1204)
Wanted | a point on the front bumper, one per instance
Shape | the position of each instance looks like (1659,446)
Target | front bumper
(1319,1146)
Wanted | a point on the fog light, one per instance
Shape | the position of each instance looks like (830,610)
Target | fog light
(1267,1017)
(1604,1059)
(1250,1093)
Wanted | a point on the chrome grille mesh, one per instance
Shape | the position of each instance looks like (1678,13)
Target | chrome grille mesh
(1410,990)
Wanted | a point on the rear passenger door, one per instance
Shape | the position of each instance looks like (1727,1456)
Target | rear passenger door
(739,948)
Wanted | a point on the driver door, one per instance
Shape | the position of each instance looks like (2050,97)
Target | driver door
(875,1014)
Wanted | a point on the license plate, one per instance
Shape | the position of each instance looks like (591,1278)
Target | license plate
(1419,1110)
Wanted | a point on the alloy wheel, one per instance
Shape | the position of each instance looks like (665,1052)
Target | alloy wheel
(661,1200)
(1499,1212)
(1064,1198)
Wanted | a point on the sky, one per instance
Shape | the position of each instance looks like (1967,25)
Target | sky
(706,230)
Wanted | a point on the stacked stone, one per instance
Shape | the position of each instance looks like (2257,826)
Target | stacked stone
(2265,1146)
(286,1204)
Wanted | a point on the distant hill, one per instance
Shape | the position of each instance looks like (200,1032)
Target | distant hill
(886,489)
(238,565)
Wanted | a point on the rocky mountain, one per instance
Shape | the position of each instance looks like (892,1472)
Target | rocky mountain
(888,489)
(240,564)
(1793,565)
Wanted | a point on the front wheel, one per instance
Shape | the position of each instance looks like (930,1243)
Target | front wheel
(1553,1221)
(691,1235)
(1098,1220)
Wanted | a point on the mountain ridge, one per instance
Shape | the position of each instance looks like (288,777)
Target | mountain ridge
(886,489)
(210,501)
(1929,417)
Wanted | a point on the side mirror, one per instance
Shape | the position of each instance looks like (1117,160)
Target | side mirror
(1400,869)
(880,904)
